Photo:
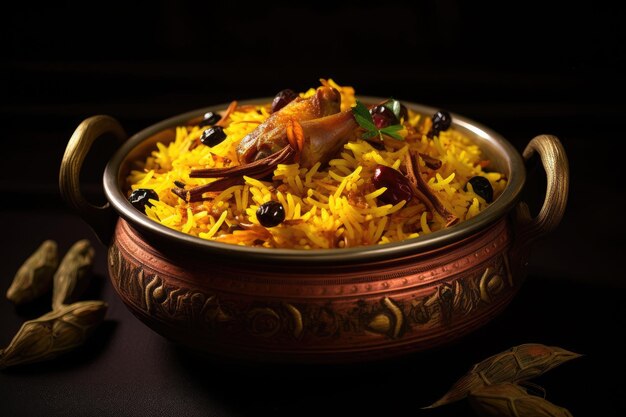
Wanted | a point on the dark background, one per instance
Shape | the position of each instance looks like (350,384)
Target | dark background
(522,68)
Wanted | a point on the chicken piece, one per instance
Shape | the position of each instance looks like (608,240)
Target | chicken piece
(323,132)
(270,137)
(325,136)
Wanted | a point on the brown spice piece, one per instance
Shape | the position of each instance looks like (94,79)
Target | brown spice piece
(34,278)
(292,222)
(54,333)
(231,108)
(432,163)
(516,364)
(423,192)
(72,277)
(250,233)
(511,400)
(233,175)
(194,144)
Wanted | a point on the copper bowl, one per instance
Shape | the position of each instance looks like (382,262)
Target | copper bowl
(333,305)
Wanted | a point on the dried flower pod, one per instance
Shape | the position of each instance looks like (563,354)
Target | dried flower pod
(54,333)
(516,364)
(72,277)
(511,400)
(34,277)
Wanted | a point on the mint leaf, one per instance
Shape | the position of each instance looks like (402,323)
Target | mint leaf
(369,134)
(364,119)
(365,123)
(392,128)
(391,131)
(359,108)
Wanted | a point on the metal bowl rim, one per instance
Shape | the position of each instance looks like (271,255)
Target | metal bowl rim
(150,229)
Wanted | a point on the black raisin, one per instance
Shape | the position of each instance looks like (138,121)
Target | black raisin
(482,187)
(441,122)
(270,214)
(139,198)
(213,136)
(210,118)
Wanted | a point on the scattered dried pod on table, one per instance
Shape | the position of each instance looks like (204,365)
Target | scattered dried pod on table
(72,277)
(516,364)
(511,400)
(54,333)
(34,277)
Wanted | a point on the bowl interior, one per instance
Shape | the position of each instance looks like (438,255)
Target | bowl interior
(503,156)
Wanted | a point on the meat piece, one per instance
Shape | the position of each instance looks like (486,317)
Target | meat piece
(270,136)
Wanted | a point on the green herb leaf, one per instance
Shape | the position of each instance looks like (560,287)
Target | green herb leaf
(392,128)
(363,116)
(364,119)
(391,131)
(369,134)
(364,123)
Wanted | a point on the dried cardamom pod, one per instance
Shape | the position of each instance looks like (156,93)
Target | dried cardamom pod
(54,333)
(511,400)
(516,364)
(34,277)
(72,277)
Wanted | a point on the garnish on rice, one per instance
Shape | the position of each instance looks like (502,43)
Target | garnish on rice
(376,128)
(317,170)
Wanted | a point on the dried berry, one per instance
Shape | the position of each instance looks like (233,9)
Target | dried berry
(482,187)
(398,109)
(210,118)
(398,187)
(213,136)
(139,198)
(283,98)
(404,112)
(383,116)
(270,214)
(441,122)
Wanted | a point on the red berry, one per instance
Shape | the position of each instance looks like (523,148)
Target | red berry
(383,117)
(398,186)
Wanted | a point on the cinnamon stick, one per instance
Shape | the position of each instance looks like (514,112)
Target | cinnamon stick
(422,190)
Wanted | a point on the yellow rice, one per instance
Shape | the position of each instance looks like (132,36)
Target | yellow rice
(333,206)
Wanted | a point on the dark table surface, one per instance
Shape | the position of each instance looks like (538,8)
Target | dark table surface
(127,369)
(551,78)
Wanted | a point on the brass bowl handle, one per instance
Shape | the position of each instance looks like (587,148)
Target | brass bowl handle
(555,164)
(79,145)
